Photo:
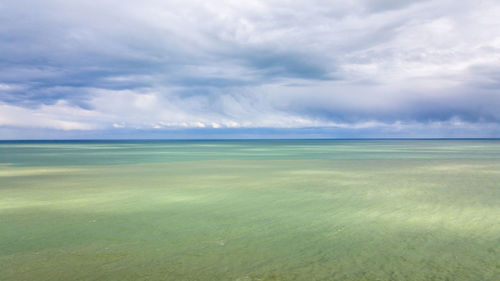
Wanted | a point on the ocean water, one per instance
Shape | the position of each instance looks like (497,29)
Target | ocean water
(250,210)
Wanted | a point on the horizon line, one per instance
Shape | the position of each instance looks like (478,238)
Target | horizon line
(243,139)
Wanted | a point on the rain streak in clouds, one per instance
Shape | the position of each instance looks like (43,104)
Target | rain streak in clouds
(307,68)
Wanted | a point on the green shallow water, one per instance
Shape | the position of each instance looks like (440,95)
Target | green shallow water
(250,210)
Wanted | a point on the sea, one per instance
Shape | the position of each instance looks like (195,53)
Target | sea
(329,209)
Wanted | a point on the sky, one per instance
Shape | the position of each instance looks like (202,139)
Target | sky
(249,69)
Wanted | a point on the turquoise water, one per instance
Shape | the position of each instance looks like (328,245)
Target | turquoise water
(250,210)
(32,153)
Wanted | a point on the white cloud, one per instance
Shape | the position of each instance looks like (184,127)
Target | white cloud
(58,116)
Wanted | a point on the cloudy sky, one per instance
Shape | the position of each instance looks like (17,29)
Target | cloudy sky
(274,68)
